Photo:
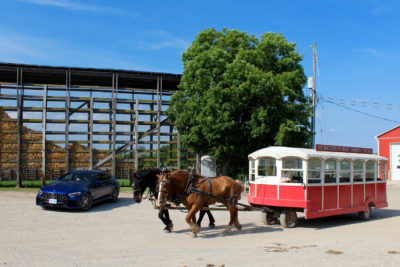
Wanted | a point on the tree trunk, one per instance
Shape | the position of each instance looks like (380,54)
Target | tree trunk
(225,166)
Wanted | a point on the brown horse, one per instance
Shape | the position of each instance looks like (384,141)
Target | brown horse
(196,192)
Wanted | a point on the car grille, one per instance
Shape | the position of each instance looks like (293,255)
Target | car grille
(59,197)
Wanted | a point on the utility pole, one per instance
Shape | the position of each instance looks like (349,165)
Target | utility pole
(313,95)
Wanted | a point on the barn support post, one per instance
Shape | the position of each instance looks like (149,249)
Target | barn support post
(91,106)
(20,103)
(110,123)
(114,119)
(44,126)
(67,114)
(137,136)
(159,88)
(132,131)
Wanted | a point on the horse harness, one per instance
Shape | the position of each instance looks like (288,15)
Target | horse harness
(192,185)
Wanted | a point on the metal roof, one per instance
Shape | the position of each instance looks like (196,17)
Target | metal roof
(280,152)
(39,74)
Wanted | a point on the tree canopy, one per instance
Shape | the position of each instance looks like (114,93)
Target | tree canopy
(239,94)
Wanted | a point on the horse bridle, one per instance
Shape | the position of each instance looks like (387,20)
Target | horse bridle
(162,201)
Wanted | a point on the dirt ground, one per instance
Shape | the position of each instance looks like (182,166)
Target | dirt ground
(130,234)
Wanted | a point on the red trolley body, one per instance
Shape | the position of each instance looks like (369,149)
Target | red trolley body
(319,183)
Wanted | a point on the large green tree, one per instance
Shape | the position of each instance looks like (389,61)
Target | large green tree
(239,94)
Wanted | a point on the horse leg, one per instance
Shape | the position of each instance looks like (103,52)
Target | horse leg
(164,217)
(189,220)
(211,218)
(236,221)
(202,212)
(233,219)
(170,225)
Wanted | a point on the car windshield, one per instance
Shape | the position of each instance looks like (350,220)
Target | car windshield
(77,177)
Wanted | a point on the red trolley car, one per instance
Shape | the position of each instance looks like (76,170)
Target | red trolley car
(326,181)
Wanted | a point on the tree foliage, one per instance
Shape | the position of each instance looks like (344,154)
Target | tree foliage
(239,94)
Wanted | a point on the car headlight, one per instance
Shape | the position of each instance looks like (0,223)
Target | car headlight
(40,192)
(74,194)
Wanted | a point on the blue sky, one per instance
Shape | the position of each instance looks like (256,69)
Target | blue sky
(357,46)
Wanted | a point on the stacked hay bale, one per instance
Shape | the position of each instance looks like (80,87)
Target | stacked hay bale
(31,152)
(79,156)
(8,141)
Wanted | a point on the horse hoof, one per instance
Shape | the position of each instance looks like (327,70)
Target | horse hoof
(227,231)
(167,230)
(171,226)
(194,235)
(211,225)
(196,228)
(239,227)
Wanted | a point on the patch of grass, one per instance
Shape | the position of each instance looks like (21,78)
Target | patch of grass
(25,184)
(124,182)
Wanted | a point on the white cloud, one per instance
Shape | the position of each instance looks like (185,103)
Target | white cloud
(155,41)
(377,53)
(380,10)
(22,48)
(77,5)
(374,52)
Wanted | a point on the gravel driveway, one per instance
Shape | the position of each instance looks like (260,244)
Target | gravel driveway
(130,234)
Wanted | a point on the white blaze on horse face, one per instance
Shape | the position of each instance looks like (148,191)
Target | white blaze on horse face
(160,189)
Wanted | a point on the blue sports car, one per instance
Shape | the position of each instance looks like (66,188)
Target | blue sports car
(78,190)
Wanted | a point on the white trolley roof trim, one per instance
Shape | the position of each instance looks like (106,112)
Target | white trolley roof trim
(280,152)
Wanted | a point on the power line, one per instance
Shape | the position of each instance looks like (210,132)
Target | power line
(363,103)
(355,110)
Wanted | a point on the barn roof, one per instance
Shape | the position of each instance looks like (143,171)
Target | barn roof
(389,131)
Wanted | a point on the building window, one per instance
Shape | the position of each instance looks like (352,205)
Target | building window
(345,171)
(358,171)
(267,167)
(330,171)
(292,170)
(314,171)
(370,173)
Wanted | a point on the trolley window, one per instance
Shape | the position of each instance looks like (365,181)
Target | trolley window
(381,171)
(292,170)
(330,171)
(314,171)
(370,173)
(358,171)
(345,171)
(267,167)
(252,170)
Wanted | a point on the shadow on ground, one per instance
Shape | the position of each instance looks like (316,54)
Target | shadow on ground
(247,229)
(99,207)
(346,219)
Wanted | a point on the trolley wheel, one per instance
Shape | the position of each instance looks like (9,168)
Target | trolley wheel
(288,218)
(366,214)
(268,218)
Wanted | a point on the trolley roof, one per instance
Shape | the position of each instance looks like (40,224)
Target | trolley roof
(280,152)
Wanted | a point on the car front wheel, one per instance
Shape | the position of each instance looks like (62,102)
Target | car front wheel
(86,202)
(114,196)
